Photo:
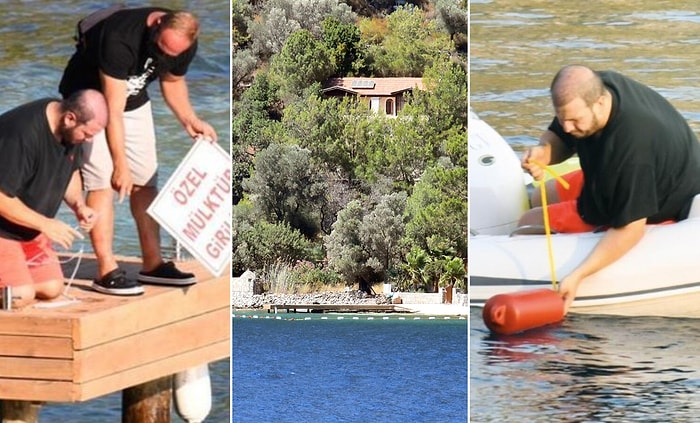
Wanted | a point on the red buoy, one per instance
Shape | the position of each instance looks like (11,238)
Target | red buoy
(507,314)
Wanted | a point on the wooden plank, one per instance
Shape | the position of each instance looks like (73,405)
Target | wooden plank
(159,306)
(155,345)
(36,390)
(172,365)
(36,368)
(64,391)
(33,346)
(17,322)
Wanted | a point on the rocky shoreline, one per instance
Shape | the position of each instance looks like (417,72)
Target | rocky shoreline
(241,300)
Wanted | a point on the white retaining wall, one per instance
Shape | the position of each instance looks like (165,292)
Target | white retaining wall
(429,298)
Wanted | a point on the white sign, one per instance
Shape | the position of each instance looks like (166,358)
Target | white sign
(194,206)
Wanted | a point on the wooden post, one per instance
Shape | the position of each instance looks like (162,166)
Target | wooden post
(148,402)
(448,293)
(13,411)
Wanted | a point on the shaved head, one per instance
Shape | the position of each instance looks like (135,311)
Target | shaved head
(183,23)
(576,81)
(87,105)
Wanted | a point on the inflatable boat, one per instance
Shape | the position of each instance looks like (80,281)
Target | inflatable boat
(660,276)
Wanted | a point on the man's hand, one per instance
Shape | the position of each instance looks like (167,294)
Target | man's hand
(86,217)
(568,288)
(121,181)
(60,233)
(534,154)
(198,129)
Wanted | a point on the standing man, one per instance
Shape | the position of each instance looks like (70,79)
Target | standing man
(41,145)
(120,55)
(640,164)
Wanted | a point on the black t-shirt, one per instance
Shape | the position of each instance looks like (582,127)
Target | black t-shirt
(644,163)
(122,47)
(34,166)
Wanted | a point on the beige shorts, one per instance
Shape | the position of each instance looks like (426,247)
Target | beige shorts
(140,138)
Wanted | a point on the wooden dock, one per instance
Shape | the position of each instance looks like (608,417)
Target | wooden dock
(95,344)
(335,308)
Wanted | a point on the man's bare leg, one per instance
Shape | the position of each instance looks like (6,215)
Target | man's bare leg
(552,194)
(154,270)
(147,227)
(102,234)
(110,279)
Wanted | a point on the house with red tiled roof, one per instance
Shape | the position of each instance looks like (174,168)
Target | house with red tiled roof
(381,94)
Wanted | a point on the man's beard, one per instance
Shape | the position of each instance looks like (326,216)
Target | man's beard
(591,132)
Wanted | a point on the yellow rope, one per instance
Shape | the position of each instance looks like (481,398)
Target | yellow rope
(545,213)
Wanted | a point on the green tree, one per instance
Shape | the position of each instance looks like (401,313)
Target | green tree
(279,19)
(342,40)
(443,106)
(337,132)
(241,166)
(399,150)
(454,272)
(437,212)
(439,113)
(382,229)
(456,146)
(241,14)
(346,252)
(243,65)
(363,245)
(455,19)
(411,44)
(302,62)
(258,109)
(285,187)
(414,268)
(263,244)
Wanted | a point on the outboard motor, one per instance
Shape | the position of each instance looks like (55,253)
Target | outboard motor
(497,186)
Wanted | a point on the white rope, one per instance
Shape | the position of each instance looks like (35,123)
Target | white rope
(34,261)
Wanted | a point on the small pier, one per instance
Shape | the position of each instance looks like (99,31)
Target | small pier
(334,308)
(85,344)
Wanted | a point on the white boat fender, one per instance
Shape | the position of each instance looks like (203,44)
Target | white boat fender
(497,189)
(192,393)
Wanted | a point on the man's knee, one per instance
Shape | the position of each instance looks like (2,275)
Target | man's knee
(23,295)
(48,290)
(532,217)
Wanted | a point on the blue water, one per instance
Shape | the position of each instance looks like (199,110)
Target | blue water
(587,369)
(330,370)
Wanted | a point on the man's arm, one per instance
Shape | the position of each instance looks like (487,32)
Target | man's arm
(615,243)
(176,96)
(115,93)
(14,210)
(74,199)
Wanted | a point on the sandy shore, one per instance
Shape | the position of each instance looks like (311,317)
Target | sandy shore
(437,309)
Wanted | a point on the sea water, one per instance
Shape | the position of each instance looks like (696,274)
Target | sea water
(349,368)
(587,369)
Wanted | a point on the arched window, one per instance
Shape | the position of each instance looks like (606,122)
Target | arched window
(390,107)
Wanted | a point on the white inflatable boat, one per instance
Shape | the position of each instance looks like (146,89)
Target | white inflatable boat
(660,276)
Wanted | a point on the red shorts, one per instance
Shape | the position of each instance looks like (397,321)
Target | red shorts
(563,216)
(23,262)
